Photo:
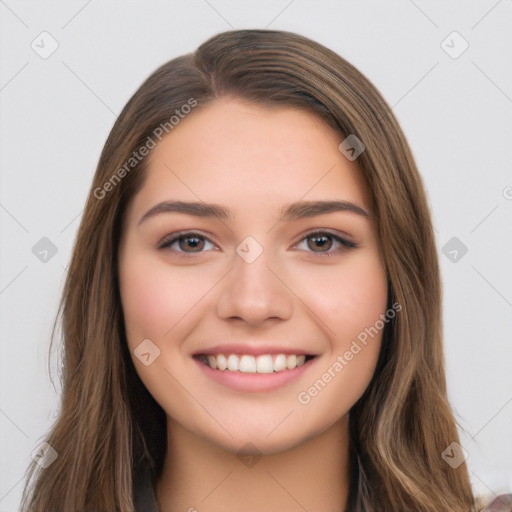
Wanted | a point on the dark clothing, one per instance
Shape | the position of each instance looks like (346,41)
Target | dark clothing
(144,496)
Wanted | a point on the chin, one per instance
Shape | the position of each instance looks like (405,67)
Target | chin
(255,443)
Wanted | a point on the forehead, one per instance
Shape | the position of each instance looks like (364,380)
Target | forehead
(233,152)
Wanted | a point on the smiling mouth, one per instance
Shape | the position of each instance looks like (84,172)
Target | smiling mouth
(247,363)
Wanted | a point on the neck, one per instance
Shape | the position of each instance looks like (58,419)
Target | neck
(199,476)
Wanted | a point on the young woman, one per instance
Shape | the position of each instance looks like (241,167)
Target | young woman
(252,313)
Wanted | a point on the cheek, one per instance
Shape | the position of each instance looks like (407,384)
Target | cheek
(151,305)
(349,298)
(156,297)
(365,296)
(352,310)
(143,298)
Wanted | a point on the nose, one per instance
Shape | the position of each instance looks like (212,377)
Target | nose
(255,293)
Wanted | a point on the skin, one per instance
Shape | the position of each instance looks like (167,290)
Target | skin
(254,161)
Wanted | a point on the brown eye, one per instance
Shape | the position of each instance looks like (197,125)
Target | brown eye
(186,243)
(320,243)
(194,243)
(324,243)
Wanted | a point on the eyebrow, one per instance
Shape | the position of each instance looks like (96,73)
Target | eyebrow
(294,211)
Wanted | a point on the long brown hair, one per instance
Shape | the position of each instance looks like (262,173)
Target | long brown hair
(109,425)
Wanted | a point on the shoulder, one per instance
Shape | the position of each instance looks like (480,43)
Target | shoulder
(501,503)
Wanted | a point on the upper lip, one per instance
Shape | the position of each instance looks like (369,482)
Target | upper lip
(256,349)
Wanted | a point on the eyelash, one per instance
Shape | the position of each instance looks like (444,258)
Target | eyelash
(167,242)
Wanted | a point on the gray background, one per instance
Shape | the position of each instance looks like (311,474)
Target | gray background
(456,113)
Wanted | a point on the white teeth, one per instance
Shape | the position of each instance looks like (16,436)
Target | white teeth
(250,364)
(222,363)
(247,364)
(233,363)
(291,362)
(264,364)
(280,363)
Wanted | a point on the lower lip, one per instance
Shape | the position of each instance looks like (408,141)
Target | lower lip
(254,382)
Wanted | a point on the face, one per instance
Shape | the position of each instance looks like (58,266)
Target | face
(248,246)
